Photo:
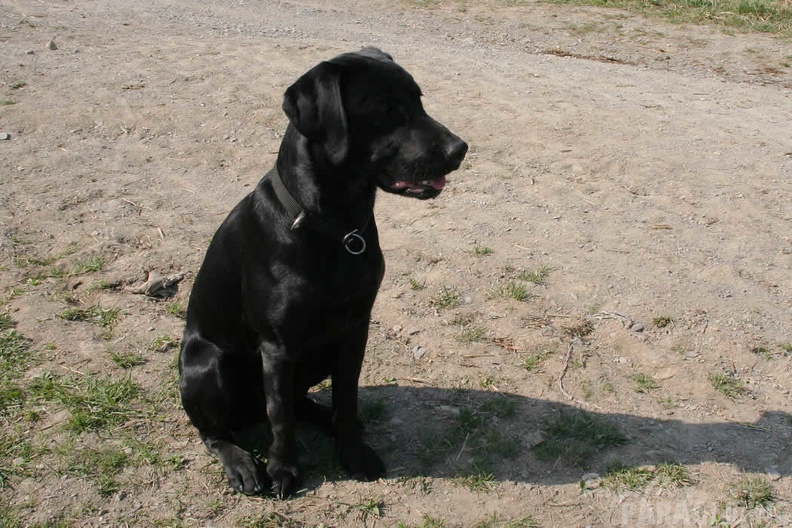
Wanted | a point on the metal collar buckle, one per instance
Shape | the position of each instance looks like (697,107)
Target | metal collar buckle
(298,221)
(353,238)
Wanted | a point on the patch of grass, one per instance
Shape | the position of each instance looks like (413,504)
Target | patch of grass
(176,462)
(588,391)
(472,334)
(672,474)
(426,522)
(668,474)
(425,3)
(501,407)
(5,322)
(104,285)
(621,477)
(7,102)
(14,354)
(95,403)
(87,264)
(176,308)
(751,492)
(534,362)
(493,443)
(662,321)
(267,520)
(102,465)
(767,353)
(474,432)
(9,517)
(728,385)
(763,352)
(469,421)
(16,452)
(494,521)
(447,298)
(516,291)
(49,273)
(765,16)
(644,383)
(576,436)
(163,343)
(487,382)
(370,507)
(127,360)
(15,359)
(538,276)
(480,251)
(93,314)
(477,482)
(416,284)
(372,410)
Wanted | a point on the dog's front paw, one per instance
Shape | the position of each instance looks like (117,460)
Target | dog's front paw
(361,462)
(244,473)
(284,478)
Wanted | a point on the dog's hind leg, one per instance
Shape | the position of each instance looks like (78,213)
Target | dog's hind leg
(211,397)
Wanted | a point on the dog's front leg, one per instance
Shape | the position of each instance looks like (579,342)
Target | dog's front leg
(278,382)
(360,461)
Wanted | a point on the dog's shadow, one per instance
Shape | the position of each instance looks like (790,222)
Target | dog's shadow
(485,436)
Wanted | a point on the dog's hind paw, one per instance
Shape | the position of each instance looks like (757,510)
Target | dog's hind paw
(362,462)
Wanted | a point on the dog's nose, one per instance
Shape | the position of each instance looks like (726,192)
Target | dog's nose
(455,151)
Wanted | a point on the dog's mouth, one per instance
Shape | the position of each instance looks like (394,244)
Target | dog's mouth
(419,189)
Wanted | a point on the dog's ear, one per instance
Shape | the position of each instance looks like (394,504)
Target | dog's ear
(314,106)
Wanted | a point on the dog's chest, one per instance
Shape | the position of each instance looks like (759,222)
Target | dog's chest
(345,281)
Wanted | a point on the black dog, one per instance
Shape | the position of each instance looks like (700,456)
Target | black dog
(284,296)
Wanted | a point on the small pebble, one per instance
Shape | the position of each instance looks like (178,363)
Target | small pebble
(5,135)
(418,352)
(637,327)
(591,480)
(51,45)
(453,411)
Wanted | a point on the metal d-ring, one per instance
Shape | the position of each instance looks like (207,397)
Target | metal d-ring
(354,237)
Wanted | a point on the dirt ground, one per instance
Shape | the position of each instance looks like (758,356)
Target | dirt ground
(623,221)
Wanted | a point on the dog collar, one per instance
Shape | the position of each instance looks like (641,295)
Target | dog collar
(352,241)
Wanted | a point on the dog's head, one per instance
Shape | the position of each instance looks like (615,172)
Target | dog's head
(365,112)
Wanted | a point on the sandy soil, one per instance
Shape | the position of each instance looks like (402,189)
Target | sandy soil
(646,167)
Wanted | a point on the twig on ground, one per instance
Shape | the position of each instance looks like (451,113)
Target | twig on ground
(625,321)
(464,444)
(561,382)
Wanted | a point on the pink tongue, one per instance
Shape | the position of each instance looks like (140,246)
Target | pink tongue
(439,183)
